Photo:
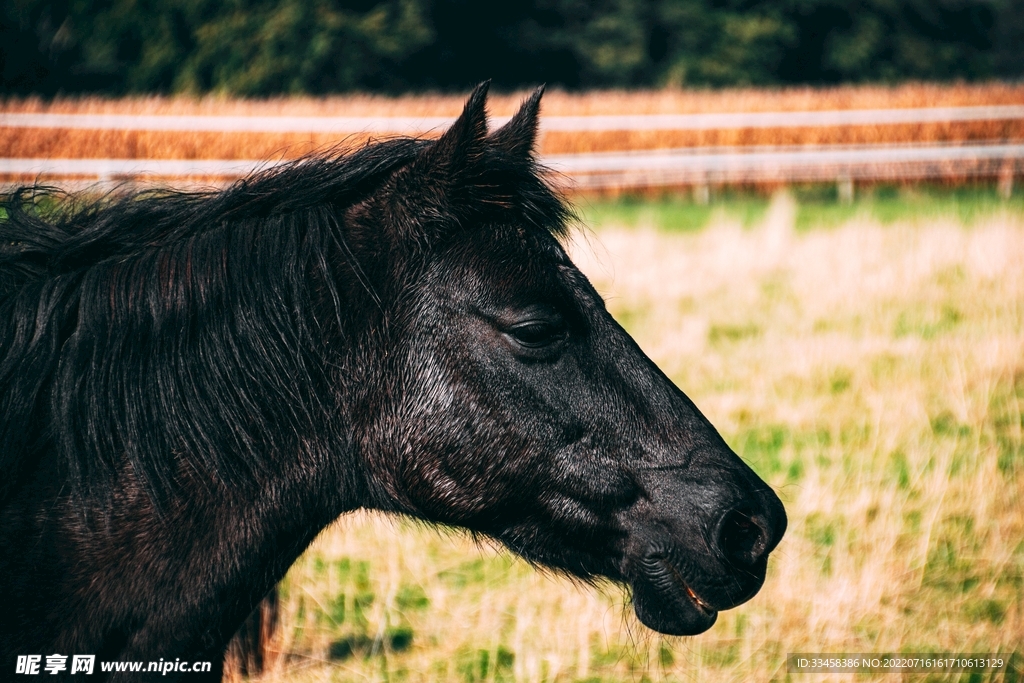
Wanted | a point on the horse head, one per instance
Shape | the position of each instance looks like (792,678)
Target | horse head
(511,403)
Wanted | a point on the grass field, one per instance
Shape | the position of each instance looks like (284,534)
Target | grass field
(65,143)
(867,361)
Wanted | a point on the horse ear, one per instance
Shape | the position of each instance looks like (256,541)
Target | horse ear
(422,191)
(461,145)
(519,135)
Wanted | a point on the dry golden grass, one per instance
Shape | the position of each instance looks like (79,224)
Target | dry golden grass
(556,102)
(873,374)
(557,142)
(153,144)
(64,143)
(144,144)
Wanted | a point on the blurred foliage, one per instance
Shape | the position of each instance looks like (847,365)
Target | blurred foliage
(264,47)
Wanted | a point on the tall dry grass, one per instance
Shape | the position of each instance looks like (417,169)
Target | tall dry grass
(67,143)
(150,144)
(556,102)
(874,375)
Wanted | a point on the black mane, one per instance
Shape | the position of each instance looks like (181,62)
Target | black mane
(124,270)
(79,231)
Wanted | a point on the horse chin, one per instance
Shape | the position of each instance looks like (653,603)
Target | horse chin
(664,602)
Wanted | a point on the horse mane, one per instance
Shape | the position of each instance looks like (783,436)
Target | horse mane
(73,232)
(113,339)
(101,304)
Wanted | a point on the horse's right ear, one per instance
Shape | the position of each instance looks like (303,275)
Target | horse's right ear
(518,137)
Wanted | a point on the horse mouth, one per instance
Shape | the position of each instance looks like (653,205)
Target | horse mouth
(673,571)
(701,605)
(664,600)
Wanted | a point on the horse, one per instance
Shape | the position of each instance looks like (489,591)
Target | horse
(193,385)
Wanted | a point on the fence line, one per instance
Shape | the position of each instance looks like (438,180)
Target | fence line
(604,170)
(128,168)
(412,125)
(230,124)
(692,166)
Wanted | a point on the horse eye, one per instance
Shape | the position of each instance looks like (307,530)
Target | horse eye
(535,334)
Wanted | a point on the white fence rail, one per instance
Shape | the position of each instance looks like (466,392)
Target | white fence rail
(689,166)
(703,166)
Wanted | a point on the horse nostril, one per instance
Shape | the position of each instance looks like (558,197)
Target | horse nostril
(743,538)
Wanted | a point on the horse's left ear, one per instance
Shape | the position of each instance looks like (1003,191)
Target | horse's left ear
(423,191)
(519,135)
(458,149)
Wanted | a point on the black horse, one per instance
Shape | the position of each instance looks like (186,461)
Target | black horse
(193,385)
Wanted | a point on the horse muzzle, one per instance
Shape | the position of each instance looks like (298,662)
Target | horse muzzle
(686,568)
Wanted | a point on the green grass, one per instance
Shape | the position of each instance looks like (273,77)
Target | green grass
(818,206)
(675,213)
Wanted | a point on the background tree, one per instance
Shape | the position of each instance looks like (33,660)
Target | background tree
(263,47)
